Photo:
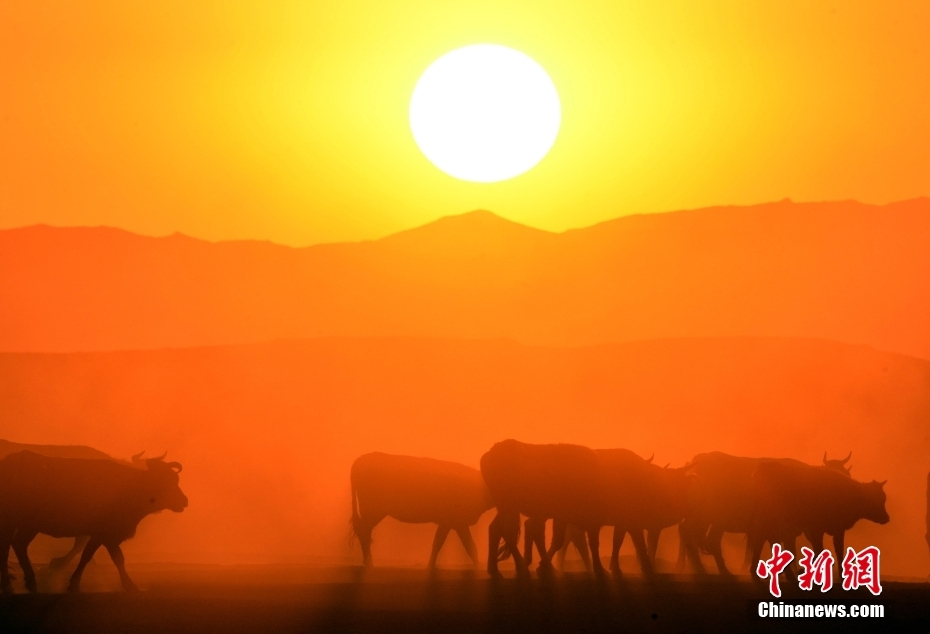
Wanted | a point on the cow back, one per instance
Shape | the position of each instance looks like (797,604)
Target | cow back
(544,480)
(67,497)
(415,489)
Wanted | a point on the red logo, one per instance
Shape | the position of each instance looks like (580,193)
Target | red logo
(862,569)
(859,569)
(773,567)
(817,571)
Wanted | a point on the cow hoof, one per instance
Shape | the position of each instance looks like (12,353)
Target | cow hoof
(74,588)
(31,587)
(130,587)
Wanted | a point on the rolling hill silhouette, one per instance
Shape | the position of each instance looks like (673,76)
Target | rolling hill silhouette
(267,432)
(840,270)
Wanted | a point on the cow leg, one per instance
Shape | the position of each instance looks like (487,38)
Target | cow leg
(21,541)
(464,534)
(816,540)
(569,539)
(441,533)
(506,526)
(714,543)
(116,554)
(534,535)
(839,546)
(682,549)
(6,540)
(577,538)
(92,545)
(60,562)
(559,531)
(747,556)
(691,533)
(363,527)
(539,538)
(652,543)
(528,527)
(619,536)
(594,542)
(755,553)
(642,552)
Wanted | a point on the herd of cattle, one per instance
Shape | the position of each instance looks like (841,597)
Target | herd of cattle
(72,491)
(582,490)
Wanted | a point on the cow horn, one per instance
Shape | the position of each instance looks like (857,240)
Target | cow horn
(666,465)
(825,457)
(651,457)
(846,459)
(138,456)
(161,457)
(882,483)
(175,465)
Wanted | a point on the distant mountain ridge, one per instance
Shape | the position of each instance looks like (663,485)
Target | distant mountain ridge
(836,270)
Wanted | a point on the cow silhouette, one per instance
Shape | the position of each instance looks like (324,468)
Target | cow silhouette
(541,482)
(573,485)
(67,451)
(721,501)
(649,498)
(417,490)
(69,497)
(790,499)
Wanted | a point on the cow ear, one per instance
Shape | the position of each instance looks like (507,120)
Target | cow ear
(882,483)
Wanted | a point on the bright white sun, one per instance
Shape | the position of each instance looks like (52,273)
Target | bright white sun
(485,113)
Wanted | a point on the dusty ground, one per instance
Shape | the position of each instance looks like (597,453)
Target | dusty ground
(181,599)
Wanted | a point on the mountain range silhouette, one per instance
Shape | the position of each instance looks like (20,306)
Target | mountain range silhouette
(844,270)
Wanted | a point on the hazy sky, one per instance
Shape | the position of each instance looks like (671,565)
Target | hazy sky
(288,120)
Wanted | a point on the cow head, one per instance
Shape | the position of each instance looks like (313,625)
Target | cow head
(163,490)
(874,502)
(837,465)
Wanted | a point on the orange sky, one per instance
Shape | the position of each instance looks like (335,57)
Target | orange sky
(288,121)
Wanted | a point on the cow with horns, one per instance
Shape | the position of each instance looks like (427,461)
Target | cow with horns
(68,451)
(417,491)
(645,497)
(69,497)
(790,499)
(721,500)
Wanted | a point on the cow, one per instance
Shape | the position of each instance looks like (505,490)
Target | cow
(572,485)
(66,451)
(70,497)
(541,482)
(791,499)
(417,490)
(720,501)
(652,498)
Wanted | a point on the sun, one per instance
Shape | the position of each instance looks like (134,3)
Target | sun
(485,113)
